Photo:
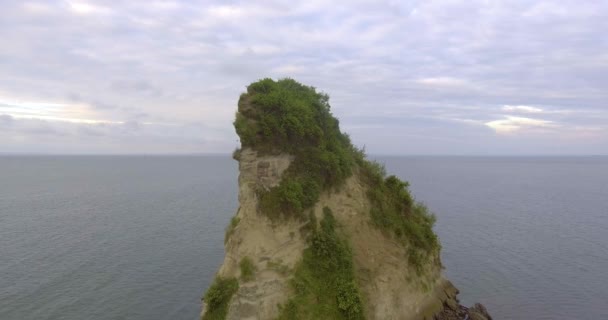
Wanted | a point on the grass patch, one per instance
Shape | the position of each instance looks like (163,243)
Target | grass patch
(230,229)
(324,281)
(218,296)
(394,210)
(236,154)
(247,269)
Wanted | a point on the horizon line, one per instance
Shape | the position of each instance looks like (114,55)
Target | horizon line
(230,154)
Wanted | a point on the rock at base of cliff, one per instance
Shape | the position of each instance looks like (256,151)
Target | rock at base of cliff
(453,310)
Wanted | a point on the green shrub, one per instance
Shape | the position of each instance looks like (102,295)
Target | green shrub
(393,209)
(349,300)
(218,296)
(324,281)
(236,154)
(230,229)
(247,269)
(286,116)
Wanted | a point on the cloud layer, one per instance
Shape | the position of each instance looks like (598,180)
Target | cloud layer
(410,77)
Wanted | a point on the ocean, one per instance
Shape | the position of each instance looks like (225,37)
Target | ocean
(141,237)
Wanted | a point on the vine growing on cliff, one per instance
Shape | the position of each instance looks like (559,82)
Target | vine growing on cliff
(218,296)
(324,282)
(393,209)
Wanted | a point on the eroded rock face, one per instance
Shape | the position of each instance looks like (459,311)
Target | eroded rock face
(391,290)
(273,249)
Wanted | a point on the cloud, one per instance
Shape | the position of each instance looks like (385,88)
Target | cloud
(84,8)
(135,87)
(524,109)
(226,12)
(49,111)
(5,120)
(442,81)
(513,124)
(289,69)
(72,137)
(37,8)
(442,70)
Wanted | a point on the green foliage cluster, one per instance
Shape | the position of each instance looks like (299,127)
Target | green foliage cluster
(324,281)
(247,269)
(230,229)
(286,116)
(218,296)
(394,209)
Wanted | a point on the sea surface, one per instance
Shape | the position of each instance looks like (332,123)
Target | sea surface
(140,237)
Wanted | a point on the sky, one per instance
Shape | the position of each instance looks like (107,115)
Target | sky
(449,77)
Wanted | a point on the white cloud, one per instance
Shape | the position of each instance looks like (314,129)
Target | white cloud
(443,81)
(265,49)
(84,8)
(49,111)
(525,109)
(543,9)
(226,12)
(288,70)
(513,124)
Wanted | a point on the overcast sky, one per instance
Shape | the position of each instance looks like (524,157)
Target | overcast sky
(404,77)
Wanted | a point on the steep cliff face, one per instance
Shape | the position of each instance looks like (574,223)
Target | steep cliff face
(272,248)
(269,268)
(391,287)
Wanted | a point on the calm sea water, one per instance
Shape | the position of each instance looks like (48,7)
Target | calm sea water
(141,237)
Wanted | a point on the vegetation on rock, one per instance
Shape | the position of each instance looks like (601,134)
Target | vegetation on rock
(286,116)
(230,229)
(218,296)
(247,269)
(393,209)
(324,281)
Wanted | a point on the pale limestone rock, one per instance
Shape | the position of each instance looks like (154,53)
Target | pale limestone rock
(391,290)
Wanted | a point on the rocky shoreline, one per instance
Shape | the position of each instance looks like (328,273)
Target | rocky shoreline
(453,310)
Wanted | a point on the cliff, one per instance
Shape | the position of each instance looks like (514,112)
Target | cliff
(322,233)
